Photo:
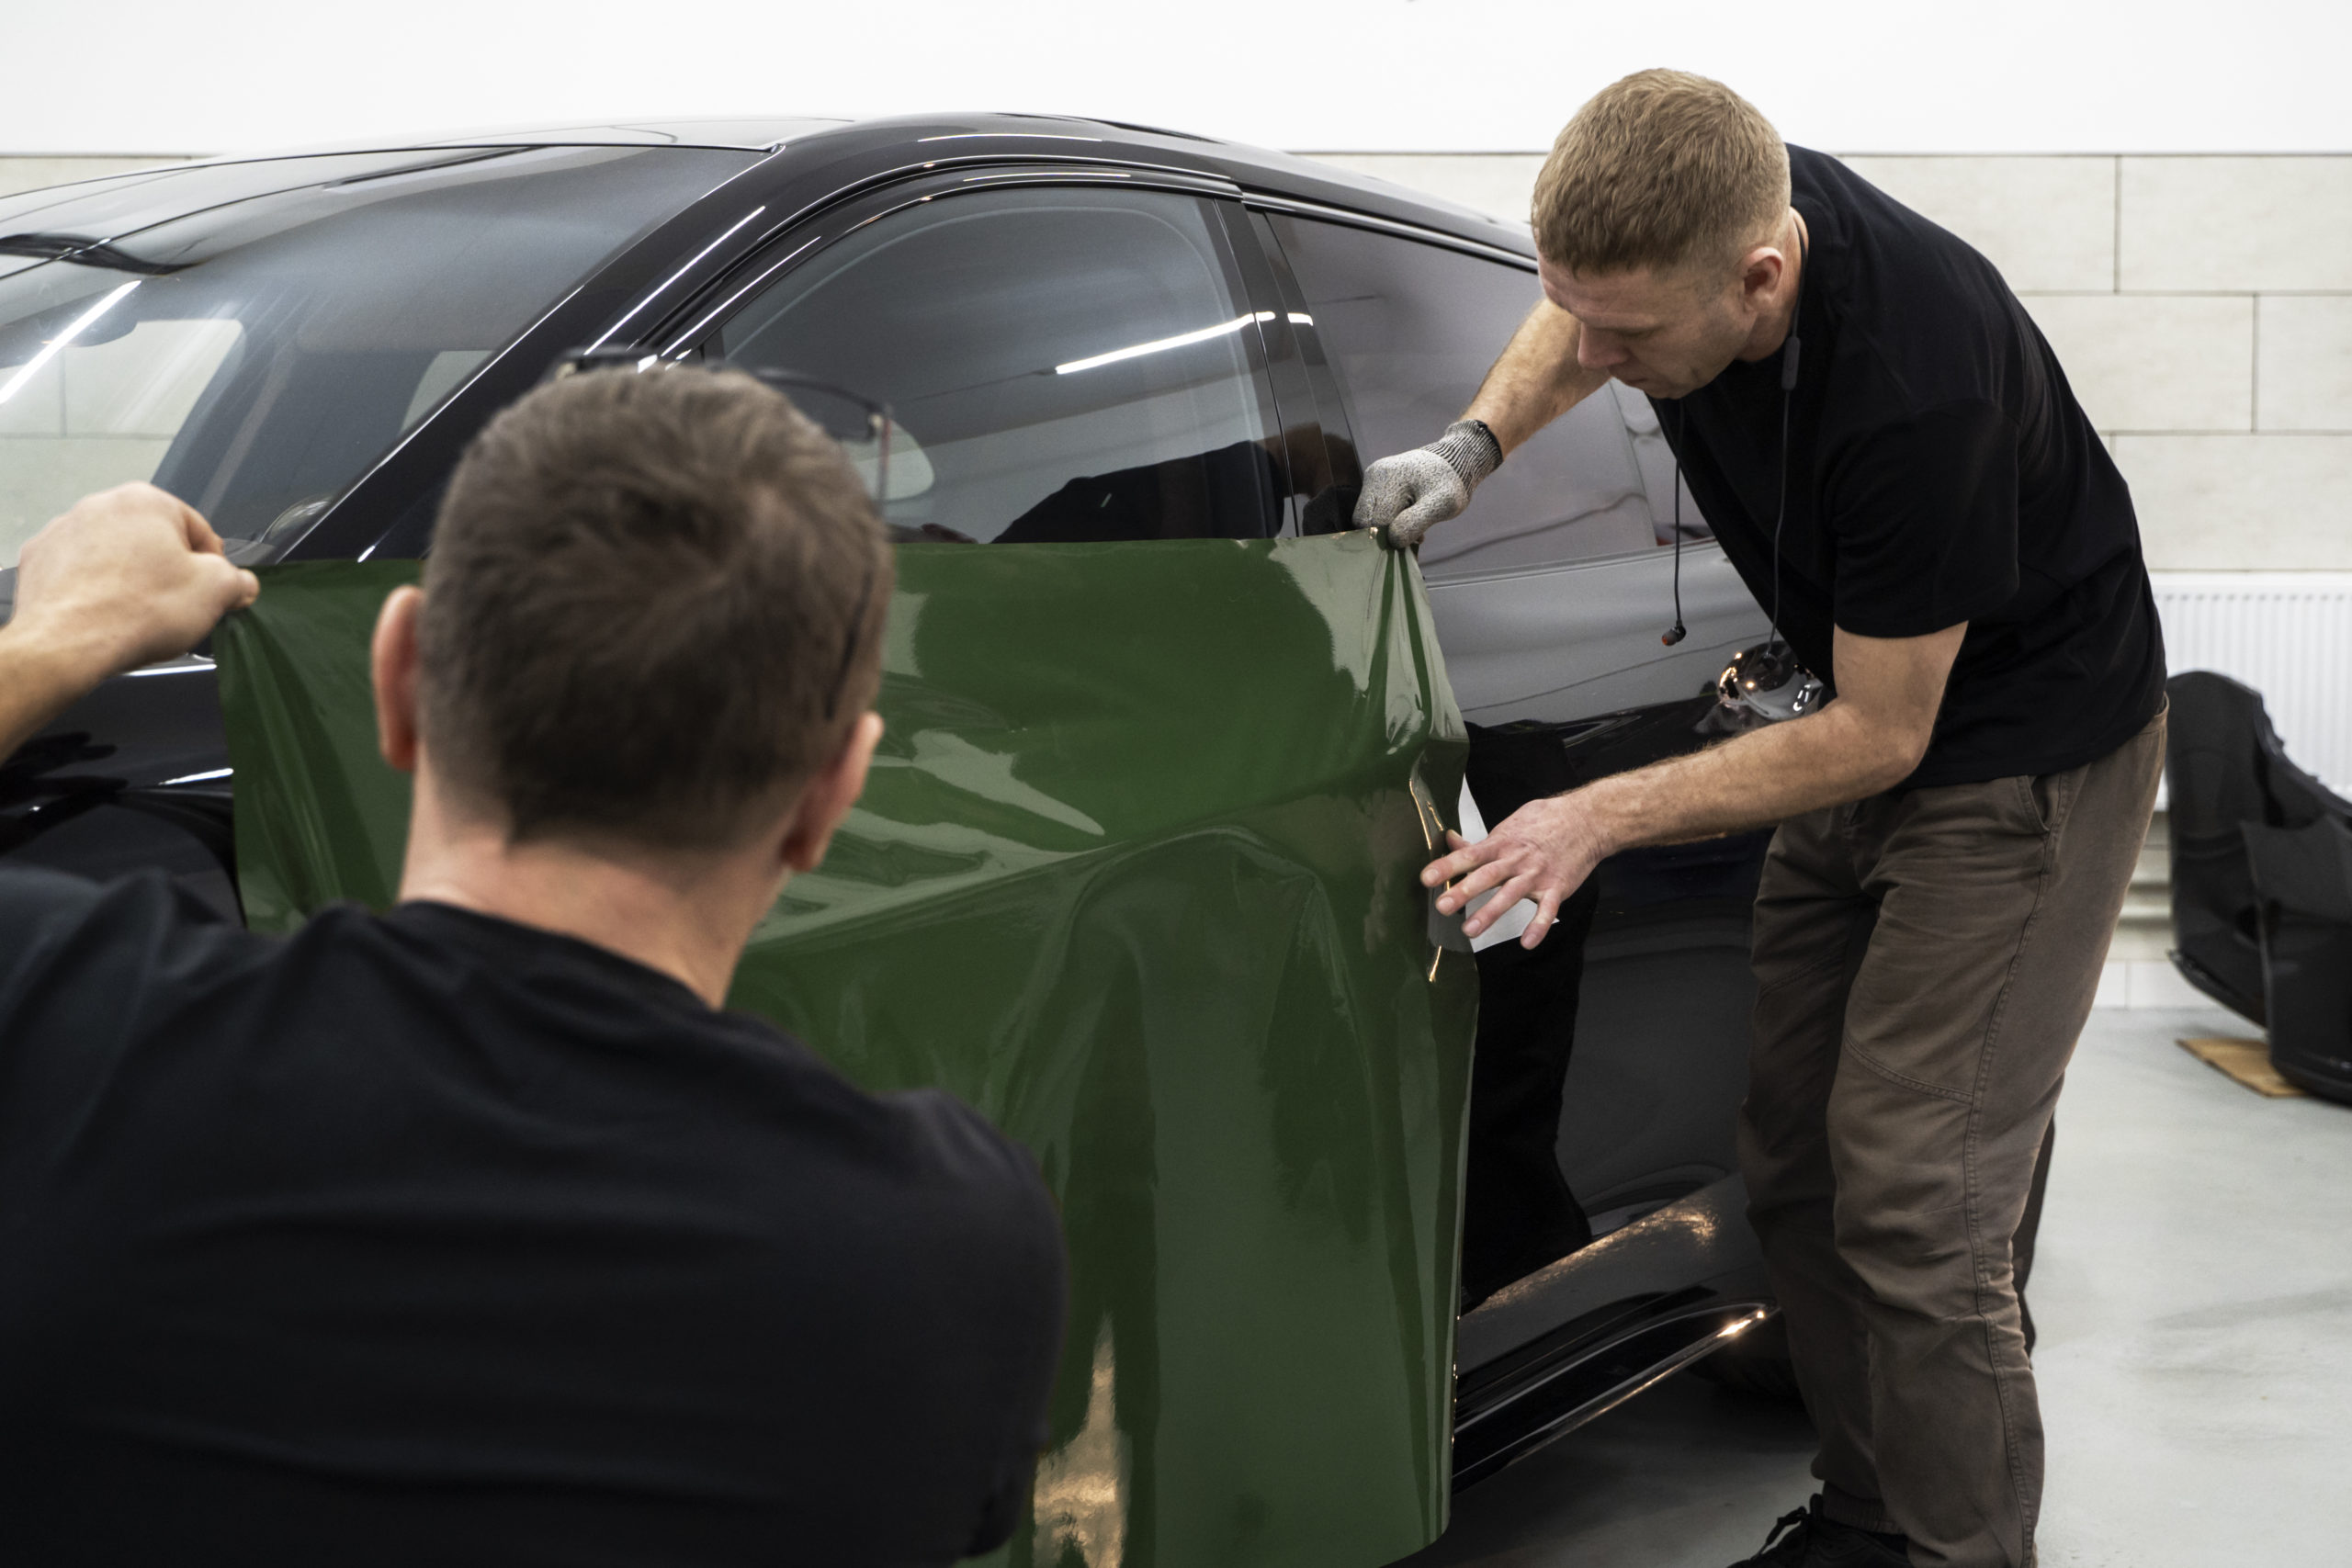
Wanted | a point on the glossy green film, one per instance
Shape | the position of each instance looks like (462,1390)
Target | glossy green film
(1134,876)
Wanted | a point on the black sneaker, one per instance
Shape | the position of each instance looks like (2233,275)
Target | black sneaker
(1812,1540)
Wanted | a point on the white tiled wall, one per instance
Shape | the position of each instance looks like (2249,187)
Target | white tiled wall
(2202,307)
(2048,223)
(2233,225)
(2154,361)
(2270,502)
(2304,380)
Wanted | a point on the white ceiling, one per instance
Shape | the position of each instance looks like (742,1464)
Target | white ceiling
(1854,75)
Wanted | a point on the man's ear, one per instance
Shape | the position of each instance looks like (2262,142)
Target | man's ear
(1760,275)
(828,796)
(391,665)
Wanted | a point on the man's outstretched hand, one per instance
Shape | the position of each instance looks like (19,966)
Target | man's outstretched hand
(1543,851)
(128,576)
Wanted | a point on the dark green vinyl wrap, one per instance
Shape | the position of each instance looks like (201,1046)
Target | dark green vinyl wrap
(1136,877)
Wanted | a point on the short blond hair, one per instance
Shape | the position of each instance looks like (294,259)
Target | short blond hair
(1663,170)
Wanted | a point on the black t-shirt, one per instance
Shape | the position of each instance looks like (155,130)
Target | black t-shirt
(433,1238)
(1939,470)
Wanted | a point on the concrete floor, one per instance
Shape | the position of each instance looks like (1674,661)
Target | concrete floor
(2195,1299)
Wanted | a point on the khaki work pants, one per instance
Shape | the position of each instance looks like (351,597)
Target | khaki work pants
(1925,961)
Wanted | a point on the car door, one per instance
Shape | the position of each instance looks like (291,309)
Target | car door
(1550,595)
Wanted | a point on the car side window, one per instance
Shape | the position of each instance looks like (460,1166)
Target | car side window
(1414,328)
(1062,363)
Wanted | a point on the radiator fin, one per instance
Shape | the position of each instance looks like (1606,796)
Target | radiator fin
(2286,634)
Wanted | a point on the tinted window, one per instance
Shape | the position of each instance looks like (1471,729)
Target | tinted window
(254,335)
(1414,328)
(1062,363)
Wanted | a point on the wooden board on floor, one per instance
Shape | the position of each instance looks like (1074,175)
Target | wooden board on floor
(2248,1061)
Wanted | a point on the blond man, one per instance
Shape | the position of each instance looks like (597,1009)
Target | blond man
(1890,456)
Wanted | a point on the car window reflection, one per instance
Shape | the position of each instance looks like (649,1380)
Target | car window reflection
(1060,365)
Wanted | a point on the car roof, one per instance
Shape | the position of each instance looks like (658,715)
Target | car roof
(746,133)
(1254,169)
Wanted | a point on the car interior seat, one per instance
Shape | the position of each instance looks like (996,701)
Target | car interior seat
(2224,765)
(2304,877)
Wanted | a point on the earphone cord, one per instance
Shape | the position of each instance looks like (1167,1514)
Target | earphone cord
(1780,518)
(1678,544)
(1791,350)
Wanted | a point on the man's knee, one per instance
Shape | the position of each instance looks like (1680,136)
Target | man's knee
(1929,1199)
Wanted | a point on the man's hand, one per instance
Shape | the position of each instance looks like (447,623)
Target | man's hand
(128,576)
(1870,738)
(1408,492)
(1543,851)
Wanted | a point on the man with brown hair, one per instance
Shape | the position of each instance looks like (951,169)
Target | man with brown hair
(1890,456)
(475,1232)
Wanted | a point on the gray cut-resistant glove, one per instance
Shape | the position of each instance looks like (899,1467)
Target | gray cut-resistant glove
(1412,489)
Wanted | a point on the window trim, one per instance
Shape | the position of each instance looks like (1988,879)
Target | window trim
(1268,202)
(809,234)
(683,333)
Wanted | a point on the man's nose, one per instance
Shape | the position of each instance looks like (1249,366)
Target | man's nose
(1597,351)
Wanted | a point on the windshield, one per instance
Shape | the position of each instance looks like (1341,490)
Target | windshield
(253,336)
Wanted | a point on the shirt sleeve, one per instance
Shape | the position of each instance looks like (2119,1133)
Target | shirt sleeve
(1923,513)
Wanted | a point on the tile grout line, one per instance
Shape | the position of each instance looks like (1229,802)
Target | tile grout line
(2254,374)
(2116,259)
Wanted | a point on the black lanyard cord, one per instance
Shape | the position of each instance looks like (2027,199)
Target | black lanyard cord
(1789,355)
(1680,631)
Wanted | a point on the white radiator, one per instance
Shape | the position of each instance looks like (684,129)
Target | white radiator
(2286,634)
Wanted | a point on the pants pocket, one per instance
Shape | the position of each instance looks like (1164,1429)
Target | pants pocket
(2047,798)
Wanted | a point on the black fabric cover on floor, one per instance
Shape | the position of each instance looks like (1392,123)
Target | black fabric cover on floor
(2224,765)
(2304,877)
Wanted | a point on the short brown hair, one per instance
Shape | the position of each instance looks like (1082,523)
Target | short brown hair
(651,609)
(1662,170)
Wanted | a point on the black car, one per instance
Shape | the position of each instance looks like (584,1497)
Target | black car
(302,345)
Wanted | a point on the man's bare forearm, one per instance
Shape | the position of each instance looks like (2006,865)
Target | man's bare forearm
(1751,781)
(1537,381)
(1870,739)
(38,681)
